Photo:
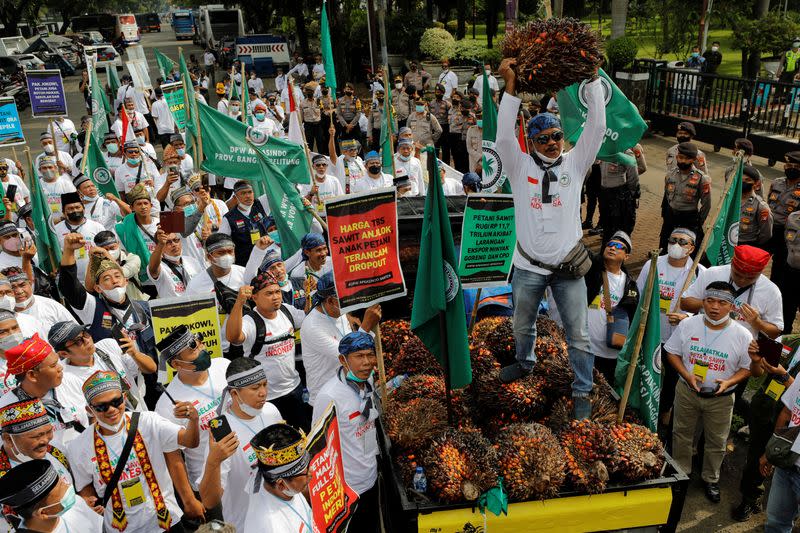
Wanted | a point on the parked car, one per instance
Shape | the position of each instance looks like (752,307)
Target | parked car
(88,38)
(106,54)
(17,63)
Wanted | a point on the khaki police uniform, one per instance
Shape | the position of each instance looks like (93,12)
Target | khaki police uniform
(403,106)
(790,281)
(755,222)
(312,122)
(441,110)
(424,127)
(418,79)
(687,203)
(783,199)
(458,148)
(348,111)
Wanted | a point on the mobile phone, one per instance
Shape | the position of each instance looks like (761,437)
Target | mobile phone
(219,427)
(11,192)
(172,221)
(173,169)
(769,349)
(117,332)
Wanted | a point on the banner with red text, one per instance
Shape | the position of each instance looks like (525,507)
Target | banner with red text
(365,248)
(332,499)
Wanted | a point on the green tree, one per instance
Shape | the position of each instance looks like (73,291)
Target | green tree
(770,34)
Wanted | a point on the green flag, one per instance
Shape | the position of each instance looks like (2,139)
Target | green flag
(725,233)
(492,177)
(624,124)
(174,95)
(165,64)
(387,128)
(113,81)
(97,169)
(438,289)
(646,385)
(191,108)
(46,240)
(100,106)
(228,153)
(327,51)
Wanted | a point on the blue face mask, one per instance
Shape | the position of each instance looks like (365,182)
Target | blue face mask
(275,236)
(181,151)
(353,377)
(133,161)
(260,116)
(403,157)
(695,54)
(66,502)
(190,210)
(420,108)
(479,123)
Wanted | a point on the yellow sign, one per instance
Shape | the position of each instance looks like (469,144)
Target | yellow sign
(614,510)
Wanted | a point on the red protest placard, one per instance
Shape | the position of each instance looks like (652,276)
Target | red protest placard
(332,499)
(364,248)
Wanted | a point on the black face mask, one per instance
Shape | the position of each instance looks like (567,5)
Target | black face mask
(684,166)
(374,169)
(348,93)
(683,138)
(439,96)
(324,91)
(75,216)
(747,187)
(792,173)
(380,100)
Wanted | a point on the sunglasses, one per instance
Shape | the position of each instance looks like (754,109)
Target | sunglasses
(173,241)
(616,245)
(320,164)
(103,407)
(681,241)
(544,138)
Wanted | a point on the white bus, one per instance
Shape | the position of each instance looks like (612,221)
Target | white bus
(127,29)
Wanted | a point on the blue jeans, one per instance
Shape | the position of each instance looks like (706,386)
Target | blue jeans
(783,502)
(570,295)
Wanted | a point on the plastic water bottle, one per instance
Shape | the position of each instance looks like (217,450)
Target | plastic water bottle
(396,381)
(420,481)
(305,395)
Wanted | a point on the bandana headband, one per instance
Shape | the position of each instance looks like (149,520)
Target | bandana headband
(222,243)
(725,296)
(239,381)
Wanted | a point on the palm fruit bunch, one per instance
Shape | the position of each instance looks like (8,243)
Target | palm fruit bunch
(482,361)
(604,410)
(420,386)
(500,340)
(459,465)
(590,451)
(394,333)
(406,462)
(531,461)
(547,327)
(552,363)
(552,54)
(411,424)
(415,358)
(484,327)
(639,454)
(522,400)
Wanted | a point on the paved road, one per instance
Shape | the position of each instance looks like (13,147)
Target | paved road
(699,515)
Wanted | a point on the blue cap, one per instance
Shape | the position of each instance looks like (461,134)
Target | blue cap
(470,179)
(372,155)
(270,259)
(325,289)
(310,241)
(356,341)
(541,122)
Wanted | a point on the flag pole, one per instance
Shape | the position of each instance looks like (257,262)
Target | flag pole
(244,104)
(446,365)
(381,363)
(637,346)
(187,86)
(704,244)
(310,209)
(33,190)
(86,148)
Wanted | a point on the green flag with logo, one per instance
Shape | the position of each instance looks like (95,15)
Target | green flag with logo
(646,385)
(174,96)
(438,289)
(327,50)
(165,64)
(97,169)
(724,236)
(100,106)
(113,81)
(624,125)
(46,240)
(492,177)
(387,129)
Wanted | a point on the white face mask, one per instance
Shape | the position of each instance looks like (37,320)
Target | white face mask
(49,148)
(173,258)
(21,457)
(717,322)
(25,303)
(246,409)
(109,427)
(545,158)
(245,209)
(289,492)
(676,251)
(226,261)
(714,48)
(117,294)
(114,253)
(8,303)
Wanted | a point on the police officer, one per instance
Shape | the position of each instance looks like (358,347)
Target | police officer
(375,121)
(246,223)
(312,118)
(426,129)
(348,111)
(417,78)
(746,146)
(403,102)
(326,105)
(619,190)
(790,284)
(788,67)
(783,199)
(440,108)
(755,219)
(686,133)
(459,124)
(687,195)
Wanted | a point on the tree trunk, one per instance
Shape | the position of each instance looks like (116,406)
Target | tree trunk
(558,8)
(429,9)
(760,10)
(300,24)
(463,12)
(619,17)
(340,59)
(492,9)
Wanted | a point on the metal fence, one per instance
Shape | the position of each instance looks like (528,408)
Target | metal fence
(724,108)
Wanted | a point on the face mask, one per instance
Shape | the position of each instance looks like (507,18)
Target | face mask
(66,502)
(714,48)
(89,199)
(289,492)
(374,169)
(133,161)
(24,304)
(348,93)
(8,303)
(261,116)
(420,108)
(275,236)
(792,173)
(114,253)
(235,108)
(717,322)
(49,148)
(353,377)
(109,427)
(439,96)
(479,123)
(683,138)
(117,294)
(324,91)
(795,45)
(403,157)
(246,409)
(676,251)
(190,210)
(181,151)
(140,139)
(20,456)
(75,216)
(224,262)
(112,148)
(12,244)
(747,187)
(202,362)
(398,85)
(695,54)
(684,166)
(172,258)
(49,174)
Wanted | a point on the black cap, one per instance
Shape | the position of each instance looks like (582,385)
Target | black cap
(63,332)
(688,127)
(792,157)
(751,171)
(70,198)
(688,149)
(28,483)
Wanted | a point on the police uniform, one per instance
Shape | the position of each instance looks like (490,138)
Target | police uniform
(789,66)
(790,284)
(458,147)
(619,189)
(403,106)
(348,111)
(699,164)
(783,199)
(246,229)
(425,128)
(312,122)
(418,79)
(755,222)
(326,106)
(682,194)
(441,110)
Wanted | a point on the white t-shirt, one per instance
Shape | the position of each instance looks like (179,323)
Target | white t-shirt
(160,436)
(268,514)
(670,279)
(168,284)
(53,191)
(596,316)
(205,398)
(136,121)
(103,211)
(63,128)
(125,176)
(321,335)
(73,409)
(266,126)
(162,116)
(791,399)
(88,230)
(548,228)
(724,350)
(449,79)
(356,169)
(123,364)
(368,183)
(22,190)
(329,187)
(357,434)
(452,187)
(478,85)
(277,353)
(257,85)
(764,295)
(236,470)
(46,312)
(413,168)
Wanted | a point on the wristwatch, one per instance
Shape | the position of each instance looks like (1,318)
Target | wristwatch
(782,379)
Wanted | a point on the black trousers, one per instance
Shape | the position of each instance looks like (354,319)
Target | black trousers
(617,211)
(313,131)
(443,144)
(777,247)
(790,290)
(607,367)
(163,139)
(296,412)
(593,195)
(458,149)
(375,135)
(366,517)
(761,423)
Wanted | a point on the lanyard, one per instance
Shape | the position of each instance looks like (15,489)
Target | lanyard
(306,522)
(245,424)
(705,334)
(211,386)
(108,444)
